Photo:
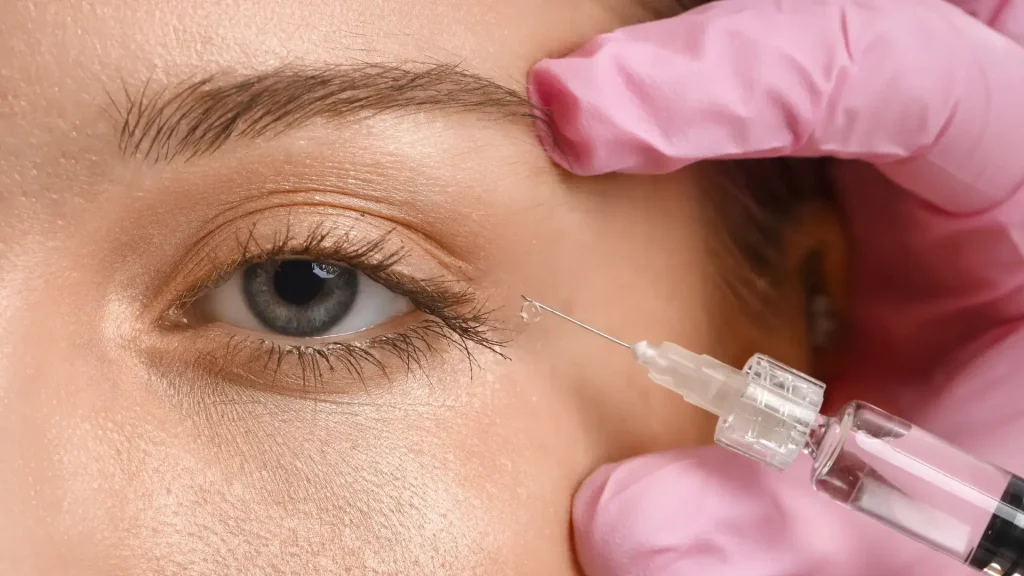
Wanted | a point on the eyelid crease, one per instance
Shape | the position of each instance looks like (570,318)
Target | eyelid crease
(231,244)
(278,199)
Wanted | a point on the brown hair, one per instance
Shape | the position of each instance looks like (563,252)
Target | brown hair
(756,200)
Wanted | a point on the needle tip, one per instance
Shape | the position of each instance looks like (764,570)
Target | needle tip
(574,321)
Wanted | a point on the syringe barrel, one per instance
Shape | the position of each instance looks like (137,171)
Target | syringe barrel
(917,484)
(765,411)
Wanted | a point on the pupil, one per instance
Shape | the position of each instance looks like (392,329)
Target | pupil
(296,282)
(299,297)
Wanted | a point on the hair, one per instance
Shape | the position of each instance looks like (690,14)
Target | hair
(755,202)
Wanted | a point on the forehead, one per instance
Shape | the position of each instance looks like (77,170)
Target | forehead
(44,42)
(64,59)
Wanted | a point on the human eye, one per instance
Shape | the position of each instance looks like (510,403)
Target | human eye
(318,309)
(303,298)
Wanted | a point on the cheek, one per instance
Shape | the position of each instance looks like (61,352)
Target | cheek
(632,257)
(473,488)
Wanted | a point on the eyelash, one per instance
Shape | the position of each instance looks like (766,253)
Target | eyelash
(455,316)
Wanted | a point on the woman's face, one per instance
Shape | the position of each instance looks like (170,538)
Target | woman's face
(183,391)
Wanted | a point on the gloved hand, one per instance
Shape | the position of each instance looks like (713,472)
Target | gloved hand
(931,100)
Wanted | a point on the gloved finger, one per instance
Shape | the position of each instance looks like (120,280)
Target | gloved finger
(1004,16)
(929,94)
(709,511)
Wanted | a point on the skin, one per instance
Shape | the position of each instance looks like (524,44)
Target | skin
(134,448)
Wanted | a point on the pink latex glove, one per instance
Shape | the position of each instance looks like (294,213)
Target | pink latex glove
(934,100)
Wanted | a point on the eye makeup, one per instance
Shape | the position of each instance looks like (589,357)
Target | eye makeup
(448,316)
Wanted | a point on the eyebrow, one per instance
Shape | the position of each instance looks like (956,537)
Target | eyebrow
(198,117)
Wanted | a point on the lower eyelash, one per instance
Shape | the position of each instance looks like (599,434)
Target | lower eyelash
(410,347)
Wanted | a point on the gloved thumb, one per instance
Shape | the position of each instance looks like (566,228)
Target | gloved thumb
(708,511)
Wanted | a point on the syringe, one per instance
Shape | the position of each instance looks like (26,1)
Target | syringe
(864,458)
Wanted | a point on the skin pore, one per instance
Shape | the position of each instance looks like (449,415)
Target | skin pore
(151,150)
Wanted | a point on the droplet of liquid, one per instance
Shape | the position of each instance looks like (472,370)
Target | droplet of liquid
(530,312)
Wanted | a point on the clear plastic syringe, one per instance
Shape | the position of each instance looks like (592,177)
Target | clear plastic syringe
(864,458)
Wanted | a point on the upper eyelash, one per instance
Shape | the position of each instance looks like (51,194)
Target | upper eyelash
(368,257)
(456,316)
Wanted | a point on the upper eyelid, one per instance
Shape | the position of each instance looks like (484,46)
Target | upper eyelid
(288,201)
(369,257)
(280,224)
(378,253)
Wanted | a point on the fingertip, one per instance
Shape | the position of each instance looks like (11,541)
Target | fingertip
(589,495)
(609,541)
(650,513)
(557,111)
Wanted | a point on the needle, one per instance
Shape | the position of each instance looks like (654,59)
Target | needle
(577,322)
